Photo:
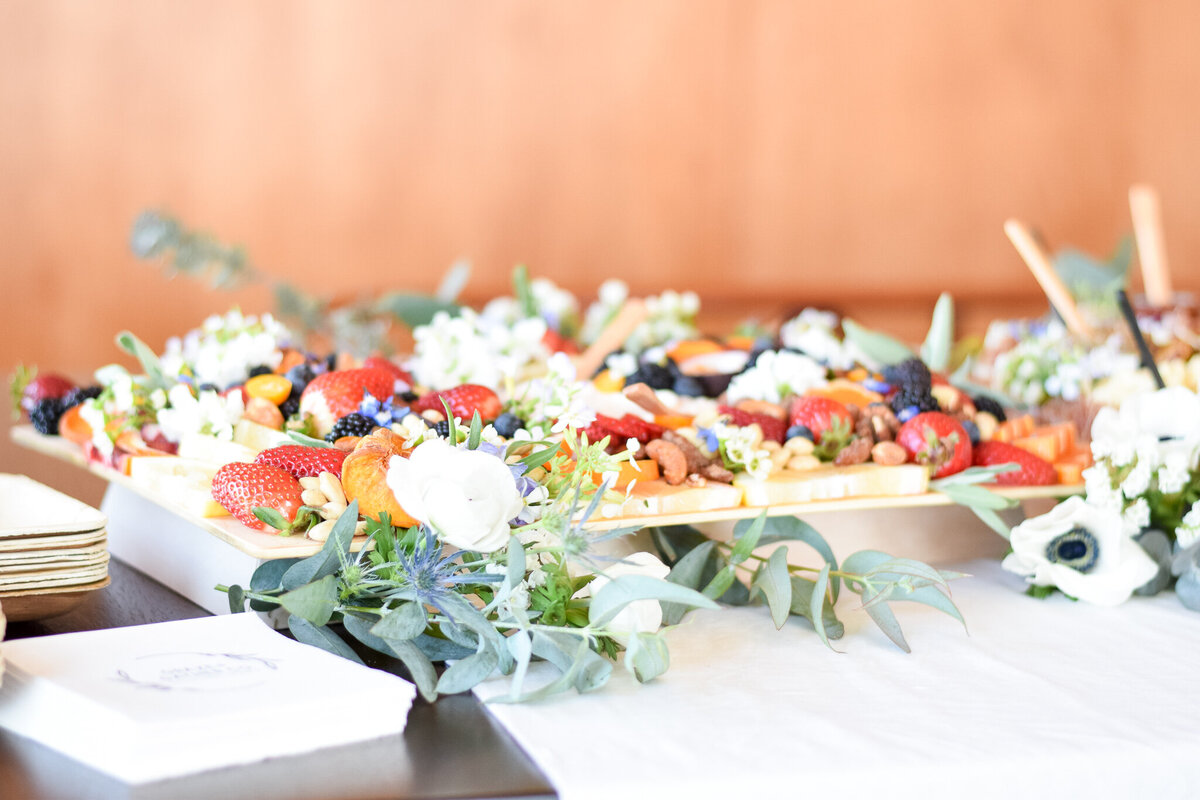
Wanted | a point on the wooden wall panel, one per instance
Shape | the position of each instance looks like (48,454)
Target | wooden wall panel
(767,154)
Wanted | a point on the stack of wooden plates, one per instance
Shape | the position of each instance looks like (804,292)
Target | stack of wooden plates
(53,549)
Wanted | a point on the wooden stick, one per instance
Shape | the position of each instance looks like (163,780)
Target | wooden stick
(1039,264)
(613,336)
(1152,250)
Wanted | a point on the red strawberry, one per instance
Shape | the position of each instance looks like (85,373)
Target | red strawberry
(937,440)
(819,414)
(629,426)
(555,342)
(1034,470)
(240,488)
(29,388)
(331,396)
(772,428)
(464,401)
(303,462)
(379,362)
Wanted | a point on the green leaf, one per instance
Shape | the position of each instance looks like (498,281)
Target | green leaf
(466,615)
(322,637)
(794,529)
(673,542)
(453,281)
(939,342)
(620,592)
(406,621)
(237,599)
(774,583)
(314,602)
(816,606)
(419,667)
(476,432)
(686,573)
(746,535)
(414,309)
(515,570)
(146,357)
(524,291)
(721,582)
(897,567)
(570,653)
(877,346)
(539,457)
(930,596)
(307,441)
(975,475)
(462,675)
(331,555)
(647,656)
(886,620)
(268,574)
(521,649)
(441,649)
(272,517)
(802,593)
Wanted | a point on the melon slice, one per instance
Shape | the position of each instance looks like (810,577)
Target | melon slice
(259,437)
(202,447)
(657,497)
(186,482)
(834,483)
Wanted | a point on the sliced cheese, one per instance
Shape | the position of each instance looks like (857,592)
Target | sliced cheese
(657,497)
(834,483)
(185,482)
(258,437)
(202,447)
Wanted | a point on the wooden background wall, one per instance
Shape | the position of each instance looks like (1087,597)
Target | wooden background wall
(766,154)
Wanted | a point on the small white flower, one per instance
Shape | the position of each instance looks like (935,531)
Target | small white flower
(640,616)
(1189,533)
(208,413)
(1083,550)
(1174,473)
(1136,516)
(1137,481)
(467,497)
(775,377)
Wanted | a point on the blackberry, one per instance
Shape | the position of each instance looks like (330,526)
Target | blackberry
(331,362)
(78,395)
(687,386)
(653,375)
(442,428)
(984,403)
(261,369)
(507,424)
(409,396)
(908,398)
(351,425)
(909,374)
(45,416)
(801,431)
(290,407)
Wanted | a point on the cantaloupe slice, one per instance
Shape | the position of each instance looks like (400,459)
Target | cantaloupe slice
(186,482)
(212,450)
(833,483)
(657,497)
(1014,428)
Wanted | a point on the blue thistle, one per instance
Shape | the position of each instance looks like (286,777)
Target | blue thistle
(433,578)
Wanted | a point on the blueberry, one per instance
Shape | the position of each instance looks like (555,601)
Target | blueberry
(687,386)
(972,431)
(907,413)
(507,424)
(261,369)
(799,430)
(208,387)
(408,397)
(300,376)
(442,428)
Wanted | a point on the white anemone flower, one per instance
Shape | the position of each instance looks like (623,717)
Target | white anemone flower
(640,616)
(1085,551)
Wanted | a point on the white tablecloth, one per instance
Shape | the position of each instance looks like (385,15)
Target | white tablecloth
(1043,698)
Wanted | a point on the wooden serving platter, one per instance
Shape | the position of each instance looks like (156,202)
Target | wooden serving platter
(266,546)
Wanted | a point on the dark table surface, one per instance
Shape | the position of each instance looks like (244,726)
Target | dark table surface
(452,749)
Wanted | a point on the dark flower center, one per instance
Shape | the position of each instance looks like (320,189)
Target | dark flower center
(1077,549)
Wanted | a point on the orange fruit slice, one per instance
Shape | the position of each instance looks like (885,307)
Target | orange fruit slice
(271,387)
(673,421)
(73,427)
(847,392)
(690,348)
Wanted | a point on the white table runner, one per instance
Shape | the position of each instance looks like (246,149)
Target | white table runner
(1043,698)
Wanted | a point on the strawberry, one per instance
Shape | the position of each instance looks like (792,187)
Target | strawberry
(29,388)
(937,440)
(240,488)
(331,396)
(819,414)
(1034,470)
(629,426)
(464,401)
(555,342)
(772,429)
(303,462)
(379,362)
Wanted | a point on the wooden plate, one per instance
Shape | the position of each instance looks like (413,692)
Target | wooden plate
(45,603)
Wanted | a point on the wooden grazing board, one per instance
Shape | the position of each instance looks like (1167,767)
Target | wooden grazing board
(266,546)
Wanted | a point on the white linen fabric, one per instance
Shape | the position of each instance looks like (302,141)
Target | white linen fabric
(1043,698)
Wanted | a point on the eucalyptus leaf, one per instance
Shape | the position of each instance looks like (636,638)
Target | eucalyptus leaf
(746,535)
(976,497)
(794,529)
(886,620)
(419,667)
(521,649)
(331,556)
(673,542)
(939,342)
(571,654)
(515,569)
(406,621)
(322,637)
(802,593)
(441,649)
(721,582)
(686,573)
(476,432)
(413,310)
(773,581)
(237,599)
(524,291)
(974,475)
(876,346)
(146,357)
(909,567)
(816,604)
(314,602)
(930,596)
(307,441)
(268,575)
(647,656)
(462,675)
(465,614)
(625,589)
(453,281)
(538,457)
(571,666)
